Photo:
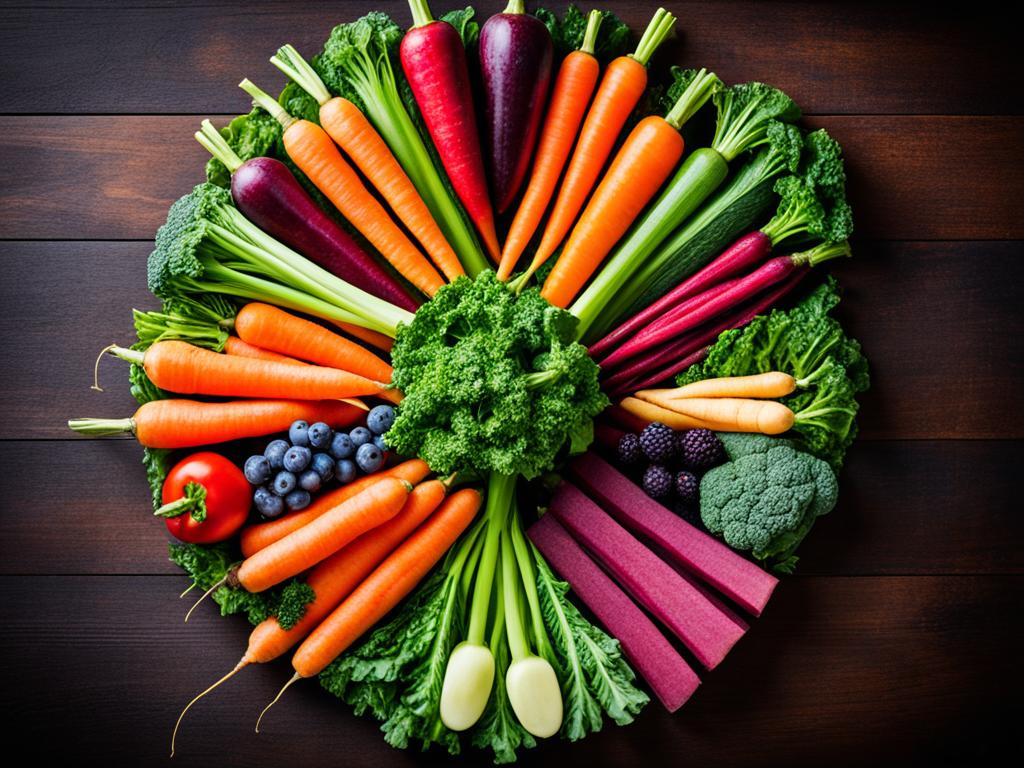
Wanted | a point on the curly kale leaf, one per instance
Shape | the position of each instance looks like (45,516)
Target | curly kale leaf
(492,381)
(253,135)
(613,38)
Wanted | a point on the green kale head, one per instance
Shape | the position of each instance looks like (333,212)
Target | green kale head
(492,381)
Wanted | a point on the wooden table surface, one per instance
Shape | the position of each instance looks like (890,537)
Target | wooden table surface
(897,640)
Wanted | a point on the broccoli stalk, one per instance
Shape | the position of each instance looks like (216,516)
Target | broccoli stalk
(207,246)
(205,321)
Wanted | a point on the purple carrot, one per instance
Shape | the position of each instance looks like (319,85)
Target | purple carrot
(669,354)
(515,61)
(677,358)
(742,255)
(668,674)
(269,196)
(770,273)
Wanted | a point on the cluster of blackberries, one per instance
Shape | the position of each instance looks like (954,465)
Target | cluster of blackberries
(289,471)
(672,461)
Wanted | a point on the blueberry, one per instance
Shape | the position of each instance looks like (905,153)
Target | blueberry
(310,481)
(257,469)
(342,446)
(360,435)
(298,433)
(275,451)
(323,465)
(379,442)
(297,500)
(267,504)
(380,419)
(370,458)
(297,458)
(345,471)
(320,435)
(284,483)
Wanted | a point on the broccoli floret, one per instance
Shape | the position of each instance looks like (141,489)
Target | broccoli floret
(492,381)
(745,112)
(767,497)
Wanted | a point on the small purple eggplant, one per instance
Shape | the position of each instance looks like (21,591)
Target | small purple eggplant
(515,59)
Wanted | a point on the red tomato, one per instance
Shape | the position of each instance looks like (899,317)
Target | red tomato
(219,487)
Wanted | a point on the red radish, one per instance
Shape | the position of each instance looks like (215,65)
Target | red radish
(707,558)
(668,674)
(703,625)
(434,61)
(744,254)
(267,194)
(770,273)
(515,60)
(679,355)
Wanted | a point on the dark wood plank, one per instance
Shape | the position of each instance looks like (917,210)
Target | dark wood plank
(841,671)
(906,507)
(911,178)
(835,57)
(940,323)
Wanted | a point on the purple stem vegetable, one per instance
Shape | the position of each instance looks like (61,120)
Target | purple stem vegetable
(515,59)
(269,195)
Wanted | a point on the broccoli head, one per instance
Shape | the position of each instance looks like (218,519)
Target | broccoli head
(767,497)
(492,381)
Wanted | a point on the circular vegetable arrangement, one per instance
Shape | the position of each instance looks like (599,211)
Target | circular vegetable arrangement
(462,377)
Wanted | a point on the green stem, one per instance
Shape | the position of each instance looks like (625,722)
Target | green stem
(267,102)
(693,98)
(529,578)
(655,34)
(421,15)
(296,68)
(130,355)
(511,589)
(216,145)
(498,626)
(102,427)
(472,558)
(515,7)
(786,223)
(594,20)
(193,502)
(821,253)
(499,496)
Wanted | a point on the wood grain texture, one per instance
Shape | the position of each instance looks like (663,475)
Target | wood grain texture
(908,175)
(840,57)
(906,507)
(921,310)
(866,671)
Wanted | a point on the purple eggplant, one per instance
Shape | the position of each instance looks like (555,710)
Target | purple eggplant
(270,196)
(515,60)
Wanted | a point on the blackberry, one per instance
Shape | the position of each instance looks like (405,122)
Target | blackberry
(629,448)
(687,488)
(658,442)
(701,450)
(657,481)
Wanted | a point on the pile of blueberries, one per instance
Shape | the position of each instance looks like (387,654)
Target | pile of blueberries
(288,472)
(672,462)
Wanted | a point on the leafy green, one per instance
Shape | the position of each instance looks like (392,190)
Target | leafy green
(613,38)
(203,320)
(744,113)
(465,24)
(253,135)
(157,461)
(810,344)
(492,381)
(208,564)
(767,497)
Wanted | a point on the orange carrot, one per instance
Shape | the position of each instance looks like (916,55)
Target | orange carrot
(373,338)
(235,346)
(388,584)
(312,150)
(271,328)
(257,537)
(184,368)
(354,133)
(643,163)
(621,87)
(184,423)
(569,99)
(332,581)
(324,536)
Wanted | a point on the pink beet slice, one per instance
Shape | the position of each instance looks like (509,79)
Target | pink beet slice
(743,582)
(668,674)
(703,627)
